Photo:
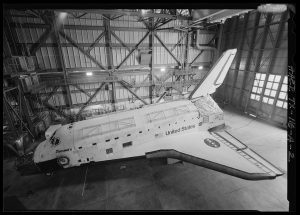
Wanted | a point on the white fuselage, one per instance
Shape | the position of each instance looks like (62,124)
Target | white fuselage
(129,133)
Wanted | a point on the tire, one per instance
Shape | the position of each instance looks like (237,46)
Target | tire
(63,161)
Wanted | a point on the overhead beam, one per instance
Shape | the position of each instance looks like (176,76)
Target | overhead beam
(161,42)
(198,55)
(52,93)
(133,93)
(128,13)
(82,90)
(95,42)
(129,54)
(56,110)
(162,24)
(82,50)
(86,104)
(161,97)
(119,40)
(42,39)
(181,38)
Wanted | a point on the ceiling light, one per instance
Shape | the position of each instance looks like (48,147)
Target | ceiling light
(89,73)
(62,15)
(163,69)
(200,67)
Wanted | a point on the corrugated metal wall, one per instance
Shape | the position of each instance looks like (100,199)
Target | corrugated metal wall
(260,51)
(84,31)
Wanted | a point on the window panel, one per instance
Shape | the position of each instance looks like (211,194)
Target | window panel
(277,78)
(282,95)
(275,86)
(270,101)
(284,88)
(269,85)
(259,90)
(273,93)
(257,86)
(261,83)
(279,103)
(267,92)
(285,80)
(285,105)
(265,99)
(271,78)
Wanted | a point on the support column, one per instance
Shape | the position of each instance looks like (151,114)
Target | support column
(151,42)
(239,54)
(260,54)
(109,57)
(60,61)
(272,61)
(25,111)
(231,42)
(249,57)
(9,116)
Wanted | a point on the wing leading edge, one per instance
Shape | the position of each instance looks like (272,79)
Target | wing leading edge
(219,151)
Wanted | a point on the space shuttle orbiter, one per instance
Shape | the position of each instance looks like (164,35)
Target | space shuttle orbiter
(182,129)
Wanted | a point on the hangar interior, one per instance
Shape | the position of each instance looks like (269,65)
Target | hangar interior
(62,66)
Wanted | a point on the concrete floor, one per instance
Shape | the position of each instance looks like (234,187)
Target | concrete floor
(137,185)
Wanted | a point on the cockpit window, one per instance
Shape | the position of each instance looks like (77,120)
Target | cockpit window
(54,140)
(52,136)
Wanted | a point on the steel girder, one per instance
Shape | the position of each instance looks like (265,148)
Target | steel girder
(95,42)
(119,40)
(81,49)
(161,42)
(272,61)
(109,58)
(129,54)
(90,99)
(128,13)
(81,90)
(239,54)
(123,83)
(260,54)
(233,36)
(249,57)
(61,62)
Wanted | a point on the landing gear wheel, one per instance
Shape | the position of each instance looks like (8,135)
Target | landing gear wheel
(63,161)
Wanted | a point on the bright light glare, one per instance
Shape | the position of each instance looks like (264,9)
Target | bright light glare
(62,15)
(163,69)
(89,73)
(144,12)
(200,67)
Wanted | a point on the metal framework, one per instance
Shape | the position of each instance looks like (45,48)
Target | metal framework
(153,23)
(249,57)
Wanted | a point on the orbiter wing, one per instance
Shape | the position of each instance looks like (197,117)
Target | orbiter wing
(218,151)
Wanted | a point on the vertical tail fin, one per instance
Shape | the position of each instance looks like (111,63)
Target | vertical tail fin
(215,77)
